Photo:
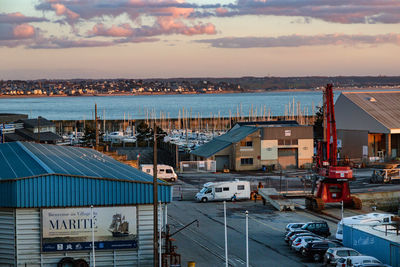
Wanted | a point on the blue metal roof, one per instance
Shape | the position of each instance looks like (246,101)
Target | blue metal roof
(211,148)
(40,175)
(235,135)
(223,141)
(22,159)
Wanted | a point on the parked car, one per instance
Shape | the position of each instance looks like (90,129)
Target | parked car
(317,249)
(302,241)
(292,226)
(360,261)
(332,255)
(320,228)
(288,235)
(293,237)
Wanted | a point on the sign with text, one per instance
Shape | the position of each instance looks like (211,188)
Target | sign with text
(71,229)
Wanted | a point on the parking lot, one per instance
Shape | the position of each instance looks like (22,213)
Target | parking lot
(205,244)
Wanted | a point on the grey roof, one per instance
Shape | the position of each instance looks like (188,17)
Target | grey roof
(32,123)
(12,137)
(211,148)
(10,117)
(384,106)
(22,159)
(268,123)
(27,135)
(223,141)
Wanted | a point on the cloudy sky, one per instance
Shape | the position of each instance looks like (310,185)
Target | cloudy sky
(198,38)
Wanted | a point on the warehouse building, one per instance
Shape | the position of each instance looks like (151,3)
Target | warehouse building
(254,145)
(368,125)
(379,241)
(46,193)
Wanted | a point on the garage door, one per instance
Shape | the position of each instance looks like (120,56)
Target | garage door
(287,158)
(222,162)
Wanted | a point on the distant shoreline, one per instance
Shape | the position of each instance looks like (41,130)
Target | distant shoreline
(150,93)
(206,93)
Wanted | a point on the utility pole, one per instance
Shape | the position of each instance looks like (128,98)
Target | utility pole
(38,124)
(96,126)
(155,199)
(2,133)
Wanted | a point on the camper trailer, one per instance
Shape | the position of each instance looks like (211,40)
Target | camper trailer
(233,190)
(164,172)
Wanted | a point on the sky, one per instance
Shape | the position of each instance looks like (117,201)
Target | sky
(63,39)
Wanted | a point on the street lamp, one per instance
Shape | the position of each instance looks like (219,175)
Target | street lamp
(155,197)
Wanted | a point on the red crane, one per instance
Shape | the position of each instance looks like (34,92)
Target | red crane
(331,181)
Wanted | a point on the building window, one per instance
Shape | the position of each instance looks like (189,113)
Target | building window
(246,161)
(246,143)
(240,187)
(287,142)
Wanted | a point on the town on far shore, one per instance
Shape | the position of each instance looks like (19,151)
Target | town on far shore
(80,87)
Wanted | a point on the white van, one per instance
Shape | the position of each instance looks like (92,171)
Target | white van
(224,191)
(164,172)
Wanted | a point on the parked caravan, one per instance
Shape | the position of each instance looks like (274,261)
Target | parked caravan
(233,190)
(164,172)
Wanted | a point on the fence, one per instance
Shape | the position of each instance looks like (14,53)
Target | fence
(198,166)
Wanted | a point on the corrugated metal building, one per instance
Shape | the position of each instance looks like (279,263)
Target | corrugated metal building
(368,124)
(39,180)
(374,241)
(251,145)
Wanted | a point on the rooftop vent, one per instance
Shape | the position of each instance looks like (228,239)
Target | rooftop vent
(371,99)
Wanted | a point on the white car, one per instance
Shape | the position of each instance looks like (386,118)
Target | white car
(302,241)
(360,261)
(293,237)
(293,226)
(332,255)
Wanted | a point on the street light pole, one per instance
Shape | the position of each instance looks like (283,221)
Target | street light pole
(247,238)
(226,237)
(155,199)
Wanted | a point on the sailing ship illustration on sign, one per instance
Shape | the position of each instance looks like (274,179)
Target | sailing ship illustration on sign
(119,226)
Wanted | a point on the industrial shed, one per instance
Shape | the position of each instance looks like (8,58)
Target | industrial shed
(222,149)
(252,145)
(368,125)
(45,196)
(379,241)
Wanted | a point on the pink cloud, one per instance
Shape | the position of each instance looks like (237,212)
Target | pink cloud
(221,11)
(23,31)
(163,26)
(338,11)
(123,30)
(18,17)
(61,9)
(169,26)
(176,12)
